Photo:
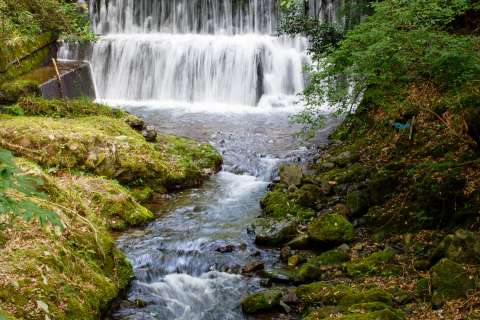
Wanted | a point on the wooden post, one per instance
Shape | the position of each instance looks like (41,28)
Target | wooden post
(59,78)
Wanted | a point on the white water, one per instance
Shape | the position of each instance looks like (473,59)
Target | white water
(221,52)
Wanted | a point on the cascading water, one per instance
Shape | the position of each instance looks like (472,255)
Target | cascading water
(219,74)
(194,51)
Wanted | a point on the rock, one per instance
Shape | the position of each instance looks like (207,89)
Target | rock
(279,275)
(253,266)
(262,301)
(279,204)
(345,158)
(377,263)
(331,229)
(357,202)
(150,134)
(291,175)
(294,261)
(343,295)
(449,280)
(136,123)
(299,242)
(325,166)
(463,246)
(344,247)
(379,187)
(341,209)
(273,233)
(312,269)
(308,195)
(225,249)
(284,253)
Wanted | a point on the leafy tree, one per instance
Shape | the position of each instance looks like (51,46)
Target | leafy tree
(404,42)
(19,196)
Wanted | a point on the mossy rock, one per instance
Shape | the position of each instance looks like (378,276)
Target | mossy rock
(311,270)
(112,202)
(331,228)
(463,246)
(354,173)
(262,301)
(325,293)
(291,175)
(377,263)
(345,158)
(450,280)
(278,204)
(108,147)
(358,202)
(11,92)
(273,232)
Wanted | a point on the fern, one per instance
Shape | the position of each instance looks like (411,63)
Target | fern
(19,196)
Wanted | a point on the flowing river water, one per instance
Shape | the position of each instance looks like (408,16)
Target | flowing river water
(212,70)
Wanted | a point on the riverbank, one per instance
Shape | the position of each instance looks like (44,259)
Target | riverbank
(94,165)
(382,225)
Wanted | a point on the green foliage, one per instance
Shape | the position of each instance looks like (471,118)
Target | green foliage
(402,43)
(19,195)
(22,22)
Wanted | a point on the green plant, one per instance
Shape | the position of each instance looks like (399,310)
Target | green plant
(19,196)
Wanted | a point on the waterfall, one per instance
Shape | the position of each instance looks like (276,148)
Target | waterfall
(193,51)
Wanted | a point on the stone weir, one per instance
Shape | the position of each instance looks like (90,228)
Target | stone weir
(76,81)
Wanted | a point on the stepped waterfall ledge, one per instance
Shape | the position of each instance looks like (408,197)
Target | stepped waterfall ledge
(199,51)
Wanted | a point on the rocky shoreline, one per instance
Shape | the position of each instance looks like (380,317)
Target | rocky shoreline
(94,167)
(343,258)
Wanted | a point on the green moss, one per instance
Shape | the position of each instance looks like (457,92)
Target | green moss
(11,92)
(324,293)
(66,109)
(354,173)
(25,57)
(386,314)
(277,204)
(108,147)
(261,301)
(196,161)
(75,272)
(111,201)
(450,280)
(331,228)
(312,271)
(378,263)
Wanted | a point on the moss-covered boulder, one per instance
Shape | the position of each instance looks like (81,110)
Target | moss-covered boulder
(273,232)
(377,263)
(111,201)
(312,269)
(291,175)
(326,293)
(279,204)
(330,229)
(11,92)
(345,158)
(262,301)
(109,147)
(463,246)
(450,280)
(358,202)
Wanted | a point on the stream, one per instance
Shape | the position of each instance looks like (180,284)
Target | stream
(212,70)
